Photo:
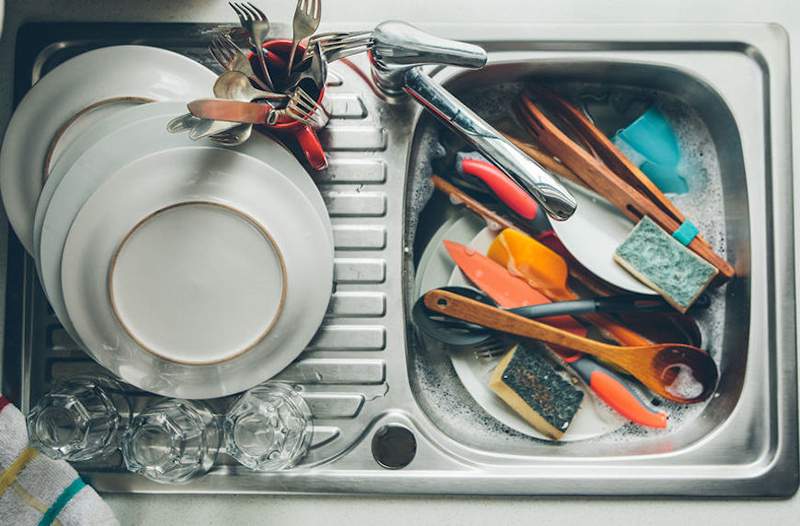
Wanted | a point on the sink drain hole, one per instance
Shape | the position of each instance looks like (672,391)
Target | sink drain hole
(394,446)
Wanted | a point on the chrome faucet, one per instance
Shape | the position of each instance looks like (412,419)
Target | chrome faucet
(398,51)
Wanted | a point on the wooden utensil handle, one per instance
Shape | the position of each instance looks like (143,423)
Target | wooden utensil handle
(466,309)
(619,332)
(638,361)
(617,161)
(610,154)
(605,182)
(470,203)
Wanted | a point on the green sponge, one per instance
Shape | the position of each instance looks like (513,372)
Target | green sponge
(661,262)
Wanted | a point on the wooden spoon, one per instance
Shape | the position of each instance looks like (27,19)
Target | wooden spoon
(680,373)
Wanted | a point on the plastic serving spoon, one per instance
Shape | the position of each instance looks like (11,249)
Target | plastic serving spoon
(681,373)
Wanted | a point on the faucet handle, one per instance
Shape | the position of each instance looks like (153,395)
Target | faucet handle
(399,46)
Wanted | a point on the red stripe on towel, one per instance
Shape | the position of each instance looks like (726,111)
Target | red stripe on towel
(4,402)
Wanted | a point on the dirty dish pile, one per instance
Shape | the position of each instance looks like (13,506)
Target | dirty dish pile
(186,268)
(499,276)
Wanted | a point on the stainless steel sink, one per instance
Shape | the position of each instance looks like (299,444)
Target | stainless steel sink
(365,371)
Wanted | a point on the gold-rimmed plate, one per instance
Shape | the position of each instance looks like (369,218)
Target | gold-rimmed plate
(197,272)
(118,140)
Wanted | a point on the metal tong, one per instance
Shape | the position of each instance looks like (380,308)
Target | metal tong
(398,51)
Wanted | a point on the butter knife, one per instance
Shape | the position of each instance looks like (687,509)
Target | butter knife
(230,110)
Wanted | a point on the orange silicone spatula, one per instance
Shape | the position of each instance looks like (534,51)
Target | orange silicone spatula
(547,272)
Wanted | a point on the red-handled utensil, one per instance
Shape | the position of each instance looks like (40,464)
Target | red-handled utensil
(509,192)
(614,390)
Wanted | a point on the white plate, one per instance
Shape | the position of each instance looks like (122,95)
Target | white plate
(94,76)
(118,140)
(592,235)
(428,253)
(592,419)
(143,250)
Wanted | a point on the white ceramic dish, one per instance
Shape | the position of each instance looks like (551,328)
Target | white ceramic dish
(592,235)
(171,272)
(116,141)
(592,419)
(428,253)
(107,74)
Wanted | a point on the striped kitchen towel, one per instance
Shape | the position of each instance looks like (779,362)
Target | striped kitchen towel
(36,490)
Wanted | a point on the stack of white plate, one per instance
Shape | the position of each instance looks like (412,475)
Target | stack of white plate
(186,269)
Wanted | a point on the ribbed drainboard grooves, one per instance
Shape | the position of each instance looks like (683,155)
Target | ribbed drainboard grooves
(343,369)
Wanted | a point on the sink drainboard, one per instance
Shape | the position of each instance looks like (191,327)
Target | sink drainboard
(355,374)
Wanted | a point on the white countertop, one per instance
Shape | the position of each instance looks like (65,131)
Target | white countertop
(389,511)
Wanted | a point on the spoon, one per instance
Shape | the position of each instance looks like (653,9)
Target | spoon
(208,128)
(235,85)
(458,333)
(680,373)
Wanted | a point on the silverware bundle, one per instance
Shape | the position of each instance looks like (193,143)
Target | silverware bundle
(276,88)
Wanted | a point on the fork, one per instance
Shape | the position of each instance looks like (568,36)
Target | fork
(303,109)
(232,58)
(316,71)
(338,35)
(306,20)
(336,46)
(256,23)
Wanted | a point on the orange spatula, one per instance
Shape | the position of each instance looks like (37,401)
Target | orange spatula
(547,272)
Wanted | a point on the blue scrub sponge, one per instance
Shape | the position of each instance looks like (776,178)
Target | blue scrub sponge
(661,262)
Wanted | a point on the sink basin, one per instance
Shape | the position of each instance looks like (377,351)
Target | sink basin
(719,181)
(365,370)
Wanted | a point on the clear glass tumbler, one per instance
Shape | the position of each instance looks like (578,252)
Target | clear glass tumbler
(269,428)
(172,441)
(79,419)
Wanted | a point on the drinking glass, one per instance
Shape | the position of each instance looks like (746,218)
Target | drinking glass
(79,419)
(172,441)
(269,428)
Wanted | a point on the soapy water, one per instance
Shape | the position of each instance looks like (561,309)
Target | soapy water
(446,400)
(685,385)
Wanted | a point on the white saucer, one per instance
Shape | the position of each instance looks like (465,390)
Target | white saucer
(120,139)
